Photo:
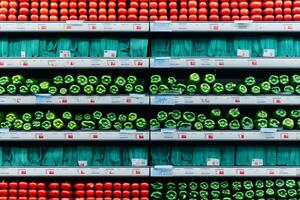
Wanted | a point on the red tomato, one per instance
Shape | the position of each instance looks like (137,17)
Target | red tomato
(287,17)
(213,5)
(53,186)
(192,11)
(269,18)
(64,12)
(79,193)
(102,11)
(42,198)
(224,5)
(12,198)
(24,5)
(144,193)
(278,11)
(41,193)
(173,12)
(279,17)
(121,5)
(108,193)
(53,12)
(64,18)
(135,193)
(3,11)
(4,4)
(202,11)
(183,11)
(117,193)
(54,193)
(66,193)
(153,12)
(287,11)
(44,11)
(122,11)
(192,4)
(102,5)
(32,198)
(54,5)
(13,4)
(173,5)
(126,186)
(135,186)
(34,5)
(225,18)
(34,11)
(162,5)
(255,4)
(32,193)
(202,18)
(73,5)
(256,11)
(32,186)
(143,5)
(202,5)
(244,12)
(153,5)
(268,4)
(143,18)
(9,18)
(296,10)
(296,17)
(22,18)
(117,186)
(23,192)
(134,11)
(214,11)
(93,5)
(245,17)
(13,11)
(235,11)
(44,4)
(143,12)
(144,198)
(82,5)
(24,11)
(214,18)
(93,11)
(90,193)
(278,3)
(287,4)
(99,193)
(183,5)
(53,18)
(234,5)
(127,193)
(3,185)
(22,198)
(225,11)
(268,11)
(64,5)
(243,5)
(3,193)
(102,18)
(296,3)
(41,186)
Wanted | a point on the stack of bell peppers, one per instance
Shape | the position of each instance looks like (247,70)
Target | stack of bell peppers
(71,85)
(231,119)
(227,190)
(67,120)
(209,84)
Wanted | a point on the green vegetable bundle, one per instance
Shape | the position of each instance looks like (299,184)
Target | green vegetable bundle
(71,121)
(209,84)
(232,119)
(261,189)
(71,85)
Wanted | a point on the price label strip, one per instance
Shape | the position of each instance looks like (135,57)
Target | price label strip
(161,26)
(164,100)
(161,62)
(163,170)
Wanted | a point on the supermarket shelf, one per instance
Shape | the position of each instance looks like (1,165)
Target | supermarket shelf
(44,99)
(225,100)
(74,26)
(123,135)
(210,62)
(74,63)
(268,134)
(74,171)
(169,171)
(236,26)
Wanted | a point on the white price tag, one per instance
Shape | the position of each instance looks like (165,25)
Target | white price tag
(139,162)
(161,26)
(164,100)
(125,131)
(257,162)
(4,130)
(42,98)
(23,54)
(243,21)
(82,163)
(64,54)
(269,53)
(243,53)
(269,132)
(163,170)
(161,62)
(213,162)
(110,53)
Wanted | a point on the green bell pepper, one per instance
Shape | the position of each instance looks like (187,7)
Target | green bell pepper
(295,79)
(295,114)
(18,124)
(276,90)
(39,115)
(230,87)
(27,127)
(215,113)
(273,123)
(50,116)
(171,186)
(261,123)
(88,90)
(189,117)
(139,89)
(120,81)
(290,183)
(236,186)
(4,81)
(106,80)
(69,80)
(193,186)
(128,88)
(209,79)
(249,81)
(104,124)
(280,114)
(35,89)
(201,117)
(265,87)
(183,195)
(52,90)
(270,192)
(204,88)
(132,117)
(170,123)
(27,117)
(58,81)
(46,125)
(162,116)
(181,88)
(63,91)
(82,80)
(58,124)
(175,114)
(36,125)
(113,89)
(269,183)
(218,88)
(292,193)
(87,117)
(259,184)
(273,80)
(67,116)
(198,126)
(128,125)
(118,126)
(163,89)
(241,89)
(153,89)
(23,89)
(281,193)
(74,89)
(132,80)
(284,79)
(141,124)
(248,185)
(255,90)
(261,114)
(156,79)
(100,89)
(194,78)
(182,186)
(171,81)
(18,80)
(191,89)
(154,124)
(234,124)
(259,193)
(171,195)
(111,116)
(288,123)
(88,125)
(238,196)
(233,113)
(93,80)
(214,185)
(203,193)
(11,89)
(279,183)
(11,117)
(72,126)
(156,195)
(44,86)
(122,118)
(247,123)
(209,124)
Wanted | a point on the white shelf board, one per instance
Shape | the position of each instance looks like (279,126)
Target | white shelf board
(54,62)
(221,171)
(74,171)
(225,100)
(126,135)
(211,62)
(236,26)
(219,135)
(132,99)
(74,26)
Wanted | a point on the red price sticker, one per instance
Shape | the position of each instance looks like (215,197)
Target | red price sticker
(183,136)
(43,27)
(191,63)
(137,172)
(2,63)
(109,172)
(140,136)
(137,27)
(68,27)
(221,63)
(214,27)
(22,172)
(139,63)
(240,171)
(277,100)
(94,136)
(24,63)
(284,136)
(50,172)
(237,100)
(289,27)
(220,171)
(40,136)
(69,136)
(209,136)
(92,101)
(129,100)
(63,100)
(242,136)
(18,100)
(111,63)
(271,171)
(92,27)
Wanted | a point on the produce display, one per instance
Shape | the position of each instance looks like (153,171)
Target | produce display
(225,155)
(65,47)
(62,10)
(209,84)
(23,190)
(75,155)
(71,85)
(259,189)
(227,46)
(231,119)
(47,121)
(214,10)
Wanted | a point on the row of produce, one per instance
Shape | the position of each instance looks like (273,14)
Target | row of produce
(94,10)
(75,155)
(209,84)
(23,190)
(67,120)
(71,85)
(187,155)
(231,119)
(226,190)
(107,84)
